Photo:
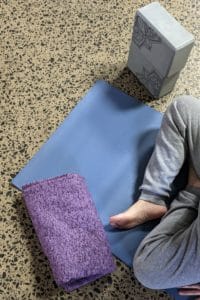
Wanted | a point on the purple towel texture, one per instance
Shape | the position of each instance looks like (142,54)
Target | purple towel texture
(69,229)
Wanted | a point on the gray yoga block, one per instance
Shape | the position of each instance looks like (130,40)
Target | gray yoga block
(160,40)
(157,85)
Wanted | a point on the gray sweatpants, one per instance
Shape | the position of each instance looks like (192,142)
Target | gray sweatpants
(169,256)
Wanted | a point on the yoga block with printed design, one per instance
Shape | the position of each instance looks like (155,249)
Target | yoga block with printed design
(159,49)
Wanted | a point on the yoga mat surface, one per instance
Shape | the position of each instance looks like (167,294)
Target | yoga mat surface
(108,139)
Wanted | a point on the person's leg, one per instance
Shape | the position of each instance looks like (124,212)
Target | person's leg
(178,134)
(168,256)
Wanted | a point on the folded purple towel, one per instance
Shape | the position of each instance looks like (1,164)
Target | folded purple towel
(69,229)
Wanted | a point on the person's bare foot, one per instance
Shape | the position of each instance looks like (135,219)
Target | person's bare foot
(139,213)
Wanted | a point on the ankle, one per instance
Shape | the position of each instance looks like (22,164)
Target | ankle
(193,179)
(194,184)
(151,208)
(151,204)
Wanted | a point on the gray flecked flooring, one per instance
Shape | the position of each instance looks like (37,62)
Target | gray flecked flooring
(51,53)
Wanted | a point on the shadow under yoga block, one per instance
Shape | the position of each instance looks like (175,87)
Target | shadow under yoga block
(108,139)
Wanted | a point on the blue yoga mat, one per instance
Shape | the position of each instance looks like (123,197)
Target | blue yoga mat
(108,138)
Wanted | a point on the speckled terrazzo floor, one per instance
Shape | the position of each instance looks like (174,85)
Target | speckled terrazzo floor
(51,52)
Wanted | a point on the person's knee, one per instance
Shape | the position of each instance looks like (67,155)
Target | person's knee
(185,101)
(184,110)
(146,272)
(150,268)
(186,106)
(140,272)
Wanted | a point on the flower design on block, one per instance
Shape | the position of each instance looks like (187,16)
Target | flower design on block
(144,35)
(151,80)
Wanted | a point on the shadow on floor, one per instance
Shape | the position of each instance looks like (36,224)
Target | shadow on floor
(128,83)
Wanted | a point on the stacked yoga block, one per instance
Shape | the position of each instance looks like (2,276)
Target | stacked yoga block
(159,49)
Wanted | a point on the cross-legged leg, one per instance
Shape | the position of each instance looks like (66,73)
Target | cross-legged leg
(169,255)
(178,137)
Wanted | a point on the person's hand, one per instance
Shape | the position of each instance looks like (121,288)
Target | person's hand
(190,290)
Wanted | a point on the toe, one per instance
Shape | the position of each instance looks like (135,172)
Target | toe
(118,220)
